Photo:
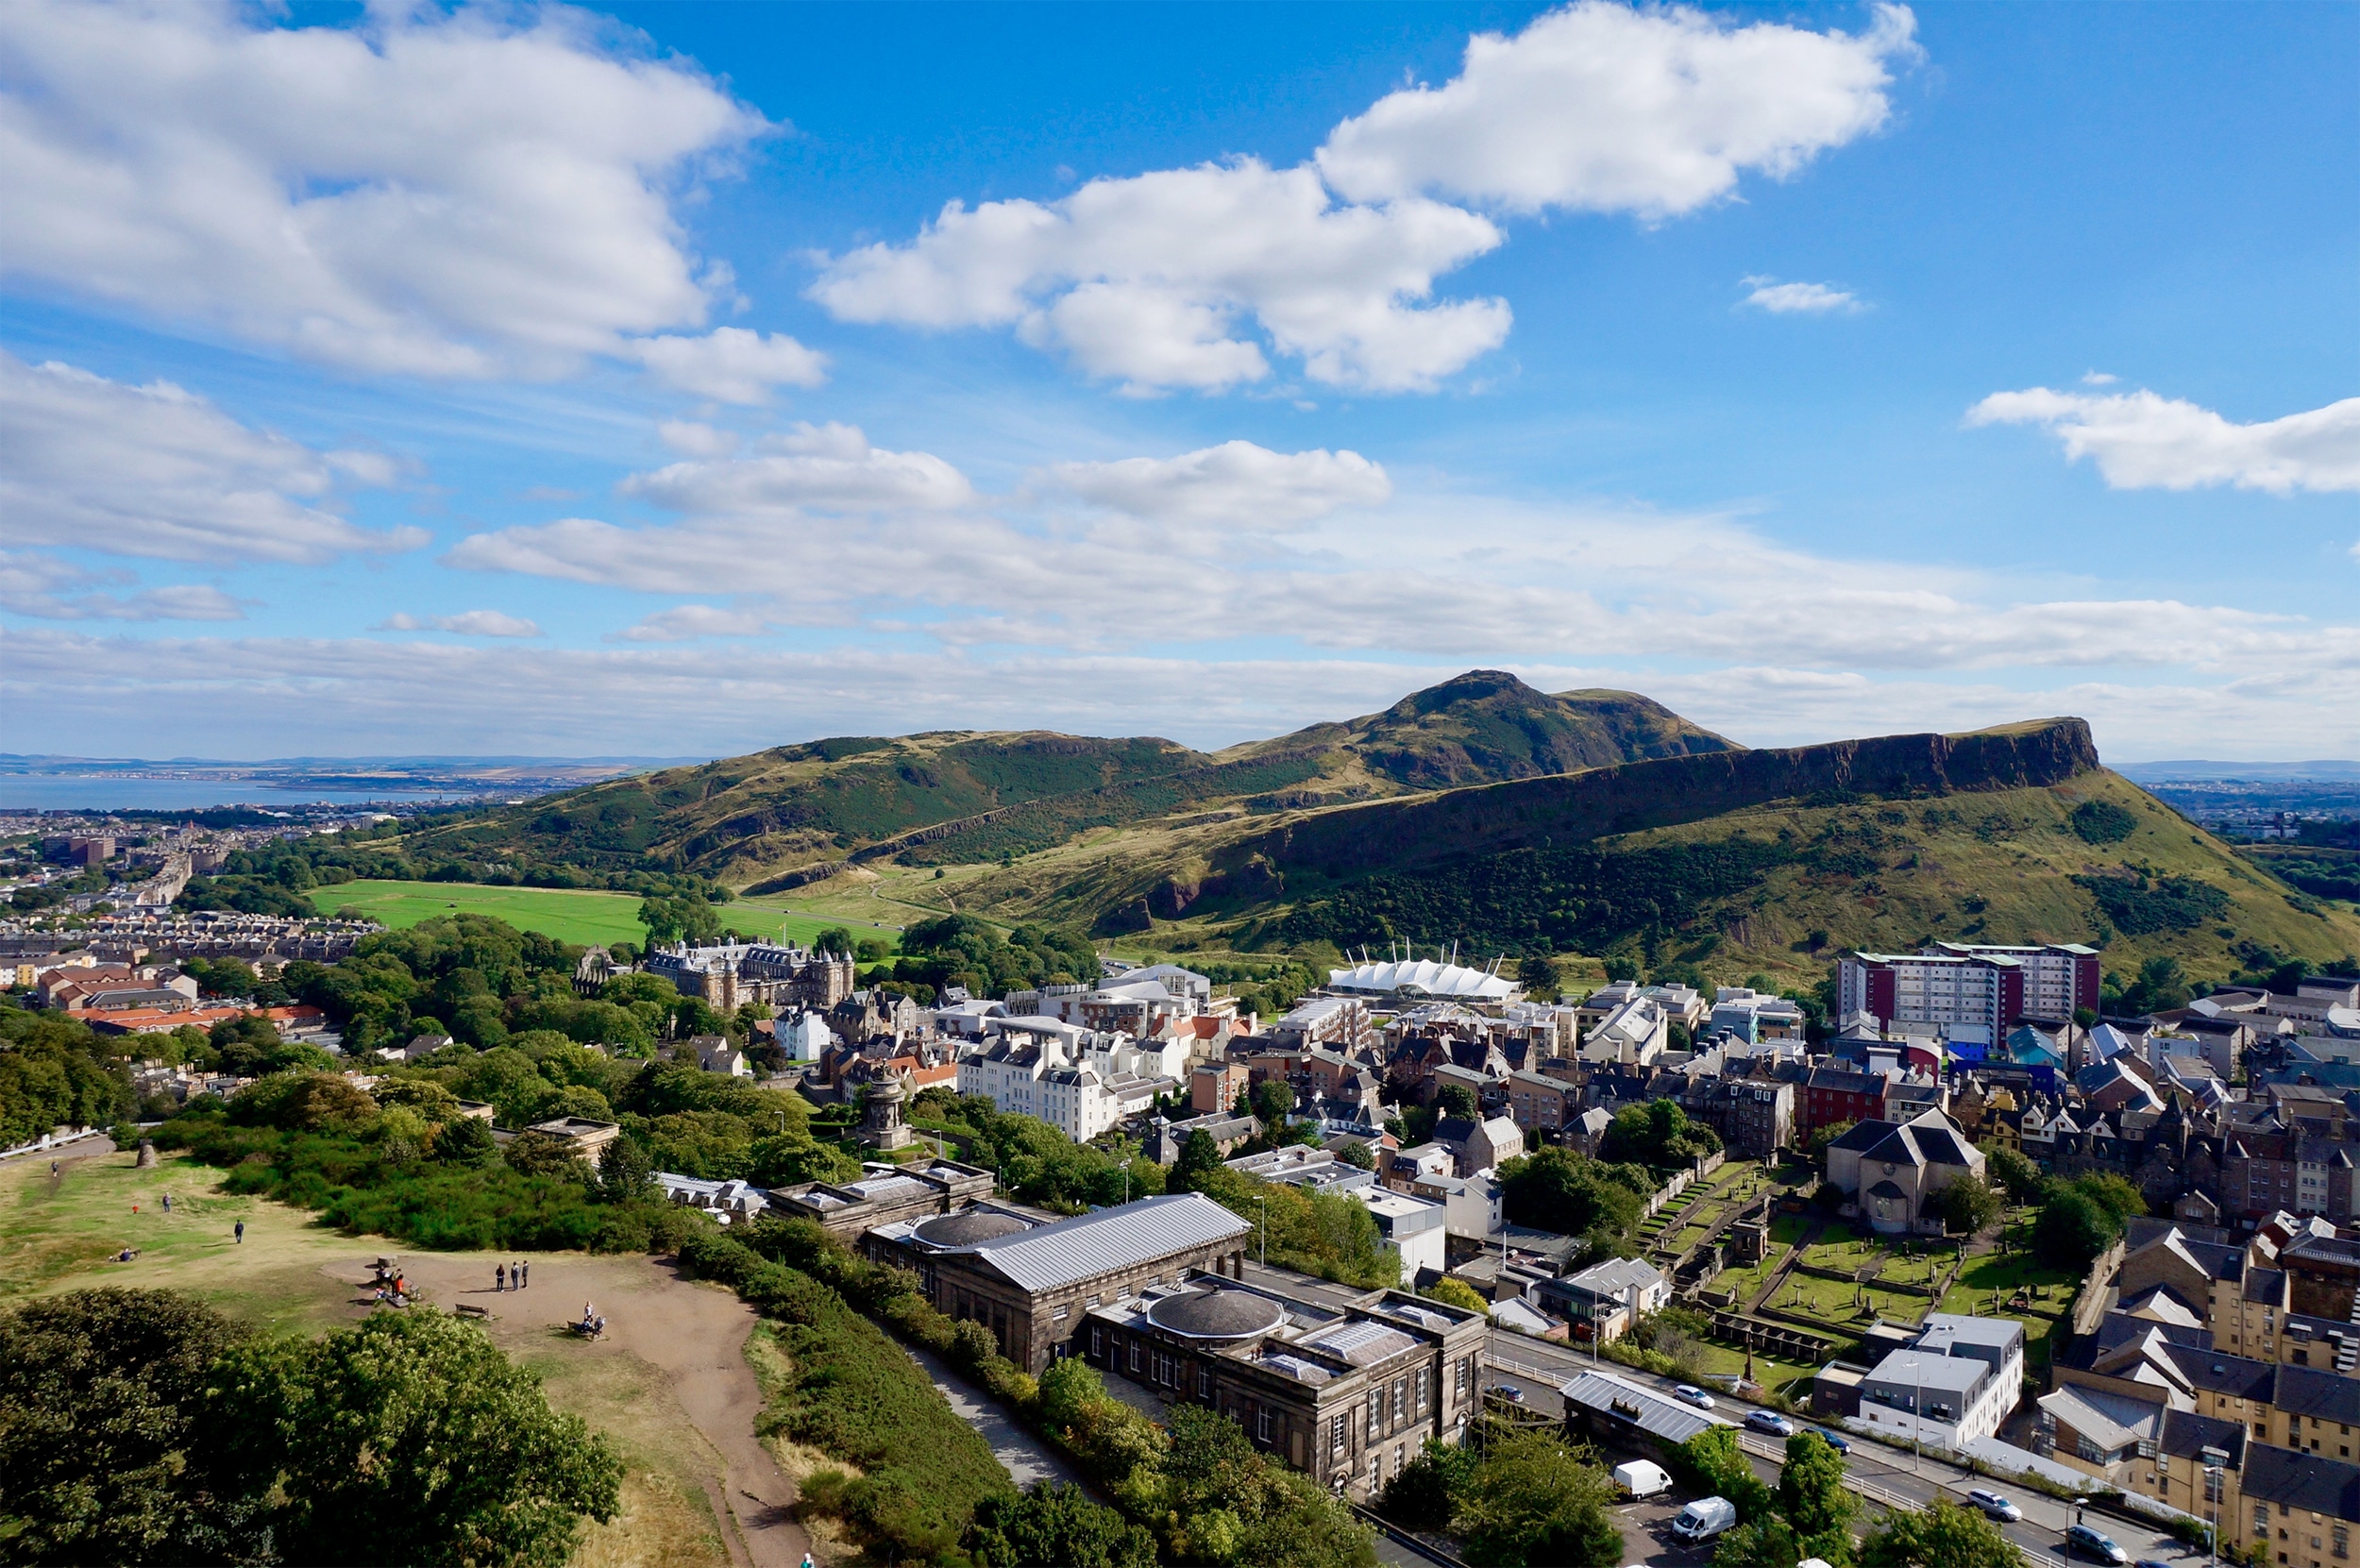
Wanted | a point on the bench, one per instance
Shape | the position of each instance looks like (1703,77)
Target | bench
(469,1309)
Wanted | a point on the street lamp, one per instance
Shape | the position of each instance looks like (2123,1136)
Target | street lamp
(1265,1203)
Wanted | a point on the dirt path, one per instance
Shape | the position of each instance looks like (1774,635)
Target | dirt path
(694,1334)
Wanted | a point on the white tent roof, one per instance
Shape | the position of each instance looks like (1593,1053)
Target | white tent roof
(1422,977)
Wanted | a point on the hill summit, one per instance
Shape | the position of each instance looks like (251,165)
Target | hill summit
(781,817)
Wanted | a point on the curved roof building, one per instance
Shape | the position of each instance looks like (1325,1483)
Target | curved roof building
(1422,977)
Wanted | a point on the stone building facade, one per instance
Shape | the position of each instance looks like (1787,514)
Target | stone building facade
(1348,1394)
(1033,1283)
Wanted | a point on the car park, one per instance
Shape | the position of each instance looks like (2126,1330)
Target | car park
(1770,1422)
(2082,1541)
(1695,1395)
(1995,1506)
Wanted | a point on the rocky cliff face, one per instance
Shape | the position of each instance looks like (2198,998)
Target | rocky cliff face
(1571,808)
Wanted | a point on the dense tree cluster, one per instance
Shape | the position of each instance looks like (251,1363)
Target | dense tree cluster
(1658,1136)
(55,1071)
(960,949)
(2080,1218)
(1556,1189)
(141,1426)
(1510,1498)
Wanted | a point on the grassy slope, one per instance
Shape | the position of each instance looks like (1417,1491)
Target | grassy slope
(572,917)
(2015,850)
(975,796)
(58,1236)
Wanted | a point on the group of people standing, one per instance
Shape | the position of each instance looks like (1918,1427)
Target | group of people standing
(507,1277)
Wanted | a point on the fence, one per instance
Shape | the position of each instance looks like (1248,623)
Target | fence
(47,1141)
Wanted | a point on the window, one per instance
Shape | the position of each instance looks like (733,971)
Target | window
(1420,1379)
(1098,1341)
(1060,1314)
(1339,1433)
(1261,1424)
(1203,1382)
(1135,1356)
(1466,1375)
(1401,1399)
(1376,1414)
(2342,1538)
(2262,1520)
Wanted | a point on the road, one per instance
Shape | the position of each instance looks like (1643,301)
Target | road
(1885,1475)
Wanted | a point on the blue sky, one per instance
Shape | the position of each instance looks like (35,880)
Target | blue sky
(692,378)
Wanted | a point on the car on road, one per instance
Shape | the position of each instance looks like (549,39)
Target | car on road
(2152,1562)
(1833,1440)
(1695,1395)
(2090,1543)
(1995,1506)
(1508,1392)
(1770,1422)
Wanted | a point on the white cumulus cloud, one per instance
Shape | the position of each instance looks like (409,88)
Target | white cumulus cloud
(730,365)
(472,193)
(825,467)
(157,471)
(1174,278)
(1607,107)
(1797,298)
(691,439)
(686,622)
(2142,441)
(1236,483)
(467,623)
(40,586)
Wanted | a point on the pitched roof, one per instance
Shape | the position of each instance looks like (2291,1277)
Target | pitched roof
(1112,1239)
(2304,1481)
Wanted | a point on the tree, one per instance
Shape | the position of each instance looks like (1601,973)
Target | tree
(1355,1154)
(1055,1523)
(1555,1189)
(1817,1499)
(2073,1229)
(410,1438)
(1199,1154)
(1710,1461)
(465,1141)
(1274,1101)
(2019,1175)
(1456,1099)
(1822,1138)
(2112,1193)
(540,1154)
(1538,976)
(835,938)
(1764,1543)
(102,1450)
(1425,1495)
(2162,983)
(1533,1500)
(1457,1292)
(1941,1535)
(1968,1204)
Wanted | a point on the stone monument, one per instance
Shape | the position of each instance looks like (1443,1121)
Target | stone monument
(881,1124)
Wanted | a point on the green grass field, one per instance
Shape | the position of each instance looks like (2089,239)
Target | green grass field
(569,917)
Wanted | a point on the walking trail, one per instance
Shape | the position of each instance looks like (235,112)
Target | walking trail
(694,1333)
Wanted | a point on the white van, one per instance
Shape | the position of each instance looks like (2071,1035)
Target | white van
(1705,1518)
(1642,1478)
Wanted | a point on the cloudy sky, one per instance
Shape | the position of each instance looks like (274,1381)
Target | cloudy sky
(691,378)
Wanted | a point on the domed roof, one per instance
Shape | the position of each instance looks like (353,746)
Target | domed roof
(1217,1314)
(966,1229)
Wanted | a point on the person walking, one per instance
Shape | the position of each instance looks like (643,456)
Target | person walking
(241,1233)
(167,1202)
(499,1277)
(523,1277)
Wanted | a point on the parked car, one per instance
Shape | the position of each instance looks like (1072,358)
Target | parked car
(1695,1395)
(1643,1477)
(1833,1440)
(1770,1422)
(1704,1519)
(1995,1506)
(2089,1542)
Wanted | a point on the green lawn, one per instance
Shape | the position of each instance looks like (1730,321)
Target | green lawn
(569,917)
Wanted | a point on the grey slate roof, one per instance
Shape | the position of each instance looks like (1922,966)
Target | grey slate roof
(2304,1481)
(1658,1415)
(2320,1393)
(1073,1250)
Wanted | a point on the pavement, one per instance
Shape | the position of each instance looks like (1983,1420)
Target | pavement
(1886,1476)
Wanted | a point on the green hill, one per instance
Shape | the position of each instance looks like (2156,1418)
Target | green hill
(1734,862)
(787,816)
